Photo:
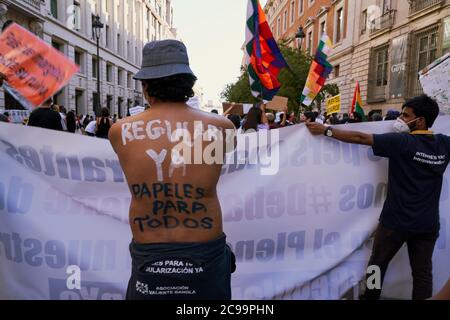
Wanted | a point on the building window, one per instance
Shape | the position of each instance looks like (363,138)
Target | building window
(107,36)
(79,102)
(94,68)
(386,6)
(119,44)
(309,46)
(92,23)
(120,77)
(446,38)
(149,23)
(382,67)
(95,101)
(109,73)
(300,7)
(130,81)
(337,69)
(109,100)
(292,11)
(322,29)
(57,46)
(54,8)
(285,21)
(136,55)
(339,25)
(76,16)
(425,51)
(279,27)
(364,21)
(378,74)
(79,60)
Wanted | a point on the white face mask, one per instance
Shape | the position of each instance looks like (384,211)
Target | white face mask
(401,126)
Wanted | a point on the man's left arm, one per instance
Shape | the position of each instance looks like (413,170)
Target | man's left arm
(342,135)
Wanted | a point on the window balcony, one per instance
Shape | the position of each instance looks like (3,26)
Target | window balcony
(385,21)
(419,5)
(36,4)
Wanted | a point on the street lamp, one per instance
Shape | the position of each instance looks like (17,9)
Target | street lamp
(97,27)
(300,35)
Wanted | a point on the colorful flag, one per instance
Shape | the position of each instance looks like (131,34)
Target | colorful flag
(35,70)
(263,57)
(319,71)
(357,103)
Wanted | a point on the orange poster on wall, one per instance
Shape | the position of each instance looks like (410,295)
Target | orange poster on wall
(33,68)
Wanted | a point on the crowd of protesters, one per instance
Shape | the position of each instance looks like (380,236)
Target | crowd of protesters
(55,117)
(260,118)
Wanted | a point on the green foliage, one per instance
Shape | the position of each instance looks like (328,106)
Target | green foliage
(292,81)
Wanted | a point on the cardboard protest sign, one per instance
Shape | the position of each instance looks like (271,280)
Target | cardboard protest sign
(278,103)
(238,108)
(33,68)
(334,104)
(435,81)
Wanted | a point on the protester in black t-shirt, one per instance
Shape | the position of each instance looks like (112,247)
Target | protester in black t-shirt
(45,117)
(417,161)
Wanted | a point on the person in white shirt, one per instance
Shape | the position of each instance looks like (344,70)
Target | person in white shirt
(90,128)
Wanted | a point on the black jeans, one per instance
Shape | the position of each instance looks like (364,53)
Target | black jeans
(420,250)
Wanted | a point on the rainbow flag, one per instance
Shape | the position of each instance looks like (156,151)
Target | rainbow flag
(263,57)
(319,71)
(357,103)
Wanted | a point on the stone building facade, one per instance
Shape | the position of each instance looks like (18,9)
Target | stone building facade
(67,26)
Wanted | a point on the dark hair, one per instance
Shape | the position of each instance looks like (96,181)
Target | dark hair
(70,120)
(358,117)
(236,120)
(7,24)
(105,112)
(176,88)
(376,117)
(424,106)
(334,119)
(48,102)
(310,115)
(253,119)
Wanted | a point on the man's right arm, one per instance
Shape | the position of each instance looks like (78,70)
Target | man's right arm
(342,135)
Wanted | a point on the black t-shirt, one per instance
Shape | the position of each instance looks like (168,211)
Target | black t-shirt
(417,163)
(45,118)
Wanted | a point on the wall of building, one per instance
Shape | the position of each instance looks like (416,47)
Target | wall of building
(354,55)
(135,21)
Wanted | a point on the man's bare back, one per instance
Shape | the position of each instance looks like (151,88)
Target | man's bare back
(171,201)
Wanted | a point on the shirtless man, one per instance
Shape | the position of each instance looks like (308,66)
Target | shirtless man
(178,248)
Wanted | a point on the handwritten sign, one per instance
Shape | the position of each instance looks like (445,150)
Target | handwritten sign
(278,103)
(334,104)
(33,68)
(435,80)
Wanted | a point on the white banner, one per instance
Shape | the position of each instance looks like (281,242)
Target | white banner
(302,233)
